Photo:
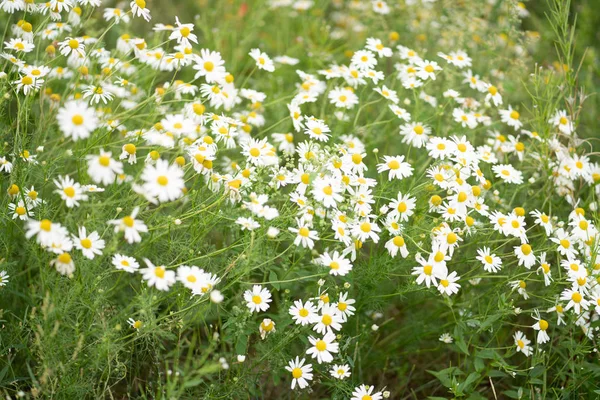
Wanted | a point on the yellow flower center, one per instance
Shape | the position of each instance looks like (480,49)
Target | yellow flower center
(69,191)
(297,373)
(86,243)
(64,258)
(321,345)
(162,180)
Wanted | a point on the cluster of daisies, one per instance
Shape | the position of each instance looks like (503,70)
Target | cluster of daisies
(208,130)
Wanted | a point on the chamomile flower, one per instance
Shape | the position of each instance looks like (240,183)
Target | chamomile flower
(64,264)
(522,344)
(257,299)
(76,120)
(158,276)
(337,263)
(491,262)
(138,9)
(70,191)
(263,61)
(125,263)
(340,371)
(397,167)
(131,226)
(305,236)
(3,278)
(322,348)
(163,181)
(329,319)
(90,245)
(301,373)
(363,392)
(303,313)
(541,326)
(182,33)
(102,168)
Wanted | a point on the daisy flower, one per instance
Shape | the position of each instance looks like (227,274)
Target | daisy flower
(70,191)
(102,168)
(322,348)
(90,245)
(340,371)
(183,33)
(64,264)
(301,373)
(522,344)
(302,314)
(210,65)
(125,263)
(3,278)
(130,226)
(257,299)
(491,262)
(158,276)
(316,129)
(511,118)
(263,61)
(541,326)
(363,392)
(163,181)
(328,321)
(76,120)
(138,9)
(338,265)
(397,167)
(448,285)
(508,173)
(305,237)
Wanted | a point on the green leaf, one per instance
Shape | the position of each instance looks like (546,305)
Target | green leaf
(273,278)
(242,345)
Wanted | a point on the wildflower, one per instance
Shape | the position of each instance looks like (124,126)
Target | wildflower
(210,65)
(397,167)
(522,344)
(138,9)
(322,348)
(447,285)
(302,314)
(328,321)
(158,276)
(301,373)
(72,46)
(263,61)
(97,94)
(183,33)
(64,264)
(541,326)
(163,181)
(70,191)
(337,263)
(125,263)
(446,338)
(266,327)
(20,210)
(340,371)
(363,392)
(3,278)
(491,262)
(130,226)
(306,237)
(90,245)
(135,324)
(76,120)
(508,173)
(103,168)
(511,118)
(257,299)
